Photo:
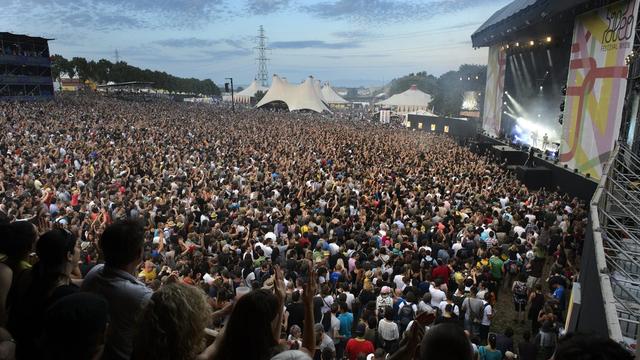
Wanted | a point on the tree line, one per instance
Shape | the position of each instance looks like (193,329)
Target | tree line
(104,71)
(448,89)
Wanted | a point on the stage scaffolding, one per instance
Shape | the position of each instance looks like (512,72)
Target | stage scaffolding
(615,212)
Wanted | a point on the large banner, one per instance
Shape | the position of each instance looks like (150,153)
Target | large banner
(596,85)
(495,88)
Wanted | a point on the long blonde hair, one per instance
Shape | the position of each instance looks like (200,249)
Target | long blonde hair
(172,325)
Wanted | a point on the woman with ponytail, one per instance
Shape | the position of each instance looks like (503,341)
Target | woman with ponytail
(58,254)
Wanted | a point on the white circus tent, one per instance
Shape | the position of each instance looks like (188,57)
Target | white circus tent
(331,97)
(244,96)
(408,101)
(305,96)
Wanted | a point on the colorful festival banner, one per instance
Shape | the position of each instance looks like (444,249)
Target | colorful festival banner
(596,85)
(495,88)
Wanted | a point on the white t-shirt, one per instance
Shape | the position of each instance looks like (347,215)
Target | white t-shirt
(266,249)
(444,304)
(488,311)
(437,296)
(350,298)
(335,326)
(327,301)
(398,281)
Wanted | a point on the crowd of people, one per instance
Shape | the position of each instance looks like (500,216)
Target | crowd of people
(162,230)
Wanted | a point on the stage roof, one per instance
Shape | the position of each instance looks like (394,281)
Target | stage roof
(532,18)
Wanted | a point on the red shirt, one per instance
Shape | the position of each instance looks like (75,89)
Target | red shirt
(441,271)
(304,242)
(355,347)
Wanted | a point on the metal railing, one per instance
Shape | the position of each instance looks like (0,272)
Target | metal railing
(615,215)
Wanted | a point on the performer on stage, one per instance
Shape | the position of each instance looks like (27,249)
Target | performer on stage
(545,142)
(534,139)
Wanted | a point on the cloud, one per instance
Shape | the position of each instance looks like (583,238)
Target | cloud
(227,54)
(193,42)
(264,7)
(341,57)
(354,34)
(368,11)
(119,14)
(318,44)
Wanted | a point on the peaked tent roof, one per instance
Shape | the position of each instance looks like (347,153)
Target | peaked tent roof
(304,96)
(252,89)
(331,96)
(411,97)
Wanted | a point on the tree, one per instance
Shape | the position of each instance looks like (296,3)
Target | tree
(259,95)
(447,90)
(59,65)
(424,82)
(104,71)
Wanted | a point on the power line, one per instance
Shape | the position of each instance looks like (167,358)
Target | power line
(263,74)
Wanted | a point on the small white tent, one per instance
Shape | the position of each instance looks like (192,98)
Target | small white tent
(331,97)
(408,101)
(245,95)
(304,96)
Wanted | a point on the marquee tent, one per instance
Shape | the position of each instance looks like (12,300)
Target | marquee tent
(304,96)
(245,95)
(408,101)
(331,96)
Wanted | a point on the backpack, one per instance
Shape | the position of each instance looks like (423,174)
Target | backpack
(476,318)
(405,316)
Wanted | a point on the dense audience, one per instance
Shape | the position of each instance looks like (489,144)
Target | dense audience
(183,231)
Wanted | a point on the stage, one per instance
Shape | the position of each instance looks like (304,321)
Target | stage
(544,173)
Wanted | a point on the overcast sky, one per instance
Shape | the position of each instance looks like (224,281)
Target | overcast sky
(347,42)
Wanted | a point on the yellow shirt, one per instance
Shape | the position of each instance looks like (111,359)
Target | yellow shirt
(148,276)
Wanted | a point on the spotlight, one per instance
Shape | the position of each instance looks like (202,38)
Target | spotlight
(507,46)
(539,116)
(469,78)
(461,78)
(548,39)
(506,93)
(505,103)
(541,88)
(517,44)
(531,42)
(477,77)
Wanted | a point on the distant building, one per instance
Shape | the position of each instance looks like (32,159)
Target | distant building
(67,84)
(25,68)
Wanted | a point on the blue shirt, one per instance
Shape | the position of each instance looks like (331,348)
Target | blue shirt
(346,322)
(558,294)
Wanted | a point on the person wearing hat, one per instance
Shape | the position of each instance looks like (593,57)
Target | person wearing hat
(384,300)
(359,345)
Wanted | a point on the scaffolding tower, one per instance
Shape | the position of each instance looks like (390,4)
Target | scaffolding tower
(262,59)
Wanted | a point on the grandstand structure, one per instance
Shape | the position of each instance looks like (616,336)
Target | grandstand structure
(25,68)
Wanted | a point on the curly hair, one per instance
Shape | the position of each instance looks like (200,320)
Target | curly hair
(172,324)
